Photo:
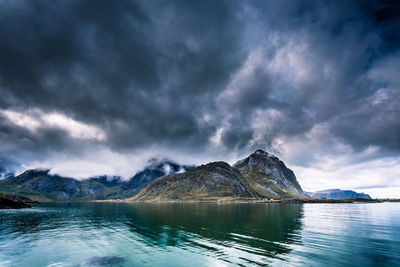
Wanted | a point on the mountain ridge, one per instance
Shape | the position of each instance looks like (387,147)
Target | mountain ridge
(40,185)
(213,180)
(260,175)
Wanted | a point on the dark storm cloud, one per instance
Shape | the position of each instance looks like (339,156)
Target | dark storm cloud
(353,88)
(172,74)
(103,63)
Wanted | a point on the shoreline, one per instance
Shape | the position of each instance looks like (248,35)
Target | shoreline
(256,201)
(284,201)
(225,201)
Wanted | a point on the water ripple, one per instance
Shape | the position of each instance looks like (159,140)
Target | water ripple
(121,234)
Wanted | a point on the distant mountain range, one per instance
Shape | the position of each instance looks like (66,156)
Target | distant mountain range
(261,175)
(338,194)
(40,185)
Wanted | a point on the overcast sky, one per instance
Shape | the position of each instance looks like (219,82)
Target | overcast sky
(99,87)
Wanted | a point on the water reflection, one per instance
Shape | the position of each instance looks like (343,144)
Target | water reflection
(103,261)
(193,234)
(236,234)
(265,230)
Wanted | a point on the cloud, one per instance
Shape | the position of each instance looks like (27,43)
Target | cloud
(310,81)
(378,177)
(34,121)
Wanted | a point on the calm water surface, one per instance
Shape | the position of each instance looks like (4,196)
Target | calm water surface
(123,234)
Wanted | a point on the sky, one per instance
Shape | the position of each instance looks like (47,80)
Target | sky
(99,87)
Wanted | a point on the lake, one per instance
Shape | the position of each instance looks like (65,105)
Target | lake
(201,234)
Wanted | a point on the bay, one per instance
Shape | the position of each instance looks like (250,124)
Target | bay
(201,234)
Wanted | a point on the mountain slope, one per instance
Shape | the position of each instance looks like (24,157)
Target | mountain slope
(216,180)
(269,177)
(41,185)
(338,194)
(155,169)
(261,175)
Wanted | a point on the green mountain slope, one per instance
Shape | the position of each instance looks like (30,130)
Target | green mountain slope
(216,180)
(261,175)
(42,186)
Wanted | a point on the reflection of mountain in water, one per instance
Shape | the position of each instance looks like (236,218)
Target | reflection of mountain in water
(241,234)
(227,231)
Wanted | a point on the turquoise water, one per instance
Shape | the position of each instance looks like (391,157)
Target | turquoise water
(190,234)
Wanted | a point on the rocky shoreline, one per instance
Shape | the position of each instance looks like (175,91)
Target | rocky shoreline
(8,201)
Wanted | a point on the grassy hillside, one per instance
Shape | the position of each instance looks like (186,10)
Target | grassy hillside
(213,181)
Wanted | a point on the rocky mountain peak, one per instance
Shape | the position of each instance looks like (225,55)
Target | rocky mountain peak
(269,176)
(260,152)
(259,158)
(216,165)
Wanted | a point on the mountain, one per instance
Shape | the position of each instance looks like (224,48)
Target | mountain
(155,169)
(269,176)
(215,180)
(41,185)
(261,175)
(338,194)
